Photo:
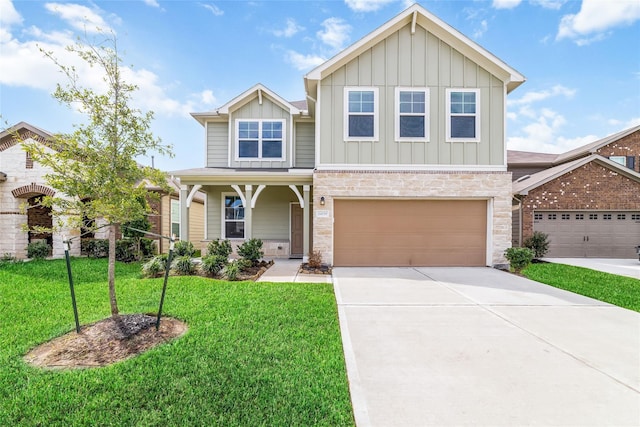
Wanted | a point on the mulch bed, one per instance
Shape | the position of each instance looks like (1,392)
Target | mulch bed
(105,342)
(322,269)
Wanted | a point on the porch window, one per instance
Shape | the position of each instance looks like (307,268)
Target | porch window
(463,115)
(412,117)
(233,217)
(175,217)
(260,139)
(361,114)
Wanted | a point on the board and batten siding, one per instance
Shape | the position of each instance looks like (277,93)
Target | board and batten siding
(419,60)
(305,145)
(217,144)
(253,110)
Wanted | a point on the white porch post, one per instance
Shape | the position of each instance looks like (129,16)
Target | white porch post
(306,211)
(184,213)
(248,233)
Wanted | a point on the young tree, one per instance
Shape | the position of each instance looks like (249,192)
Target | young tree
(96,163)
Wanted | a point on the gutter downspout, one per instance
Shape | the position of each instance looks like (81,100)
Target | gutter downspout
(519,200)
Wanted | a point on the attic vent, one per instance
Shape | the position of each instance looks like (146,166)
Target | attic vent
(522,178)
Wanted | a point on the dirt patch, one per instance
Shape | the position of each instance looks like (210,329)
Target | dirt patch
(105,342)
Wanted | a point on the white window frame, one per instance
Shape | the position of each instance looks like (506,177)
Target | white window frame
(260,140)
(223,228)
(449,115)
(425,91)
(172,219)
(376,108)
(621,160)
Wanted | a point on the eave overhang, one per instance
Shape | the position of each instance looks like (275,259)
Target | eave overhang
(221,176)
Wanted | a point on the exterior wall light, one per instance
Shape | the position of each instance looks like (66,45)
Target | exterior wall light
(322,201)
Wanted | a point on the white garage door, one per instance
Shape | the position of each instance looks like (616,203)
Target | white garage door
(595,234)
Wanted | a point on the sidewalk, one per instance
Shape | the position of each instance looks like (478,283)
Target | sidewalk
(286,270)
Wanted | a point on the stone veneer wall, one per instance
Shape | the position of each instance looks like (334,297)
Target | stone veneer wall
(591,186)
(495,186)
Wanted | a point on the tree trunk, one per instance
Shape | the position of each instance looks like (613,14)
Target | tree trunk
(113,228)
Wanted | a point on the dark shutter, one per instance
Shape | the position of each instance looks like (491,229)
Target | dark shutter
(631,162)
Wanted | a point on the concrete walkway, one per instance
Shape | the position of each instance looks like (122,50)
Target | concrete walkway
(478,346)
(622,267)
(286,270)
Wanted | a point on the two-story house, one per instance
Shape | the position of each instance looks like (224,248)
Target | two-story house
(396,158)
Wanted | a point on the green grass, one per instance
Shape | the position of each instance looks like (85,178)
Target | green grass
(256,354)
(618,290)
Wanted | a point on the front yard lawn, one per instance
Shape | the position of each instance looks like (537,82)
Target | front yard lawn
(255,353)
(618,290)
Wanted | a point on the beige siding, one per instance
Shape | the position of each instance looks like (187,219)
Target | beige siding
(165,221)
(217,145)
(305,145)
(415,60)
(267,110)
(196,223)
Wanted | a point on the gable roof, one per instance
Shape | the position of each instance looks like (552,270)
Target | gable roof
(521,158)
(595,145)
(257,91)
(26,131)
(418,15)
(527,183)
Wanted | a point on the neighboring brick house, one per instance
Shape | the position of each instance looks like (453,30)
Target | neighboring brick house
(587,200)
(397,157)
(22,183)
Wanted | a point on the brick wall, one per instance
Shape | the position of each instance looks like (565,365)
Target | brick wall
(627,146)
(495,186)
(591,186)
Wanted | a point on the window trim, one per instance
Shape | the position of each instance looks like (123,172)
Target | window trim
(260,140)
(425,91)
(223,219)
(171,221)
(376,113)
(449,115)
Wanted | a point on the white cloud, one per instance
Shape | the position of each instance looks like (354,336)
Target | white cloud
(481,29)
(303,62)
(535,96)
(290,30)
(152,3)
(8,14)
(549,4)
(596,17)
(79,17)
(335,33)
(213,9)
(505,4)
(207,98)
(367,5)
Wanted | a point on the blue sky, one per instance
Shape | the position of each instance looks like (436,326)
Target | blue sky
(581,59)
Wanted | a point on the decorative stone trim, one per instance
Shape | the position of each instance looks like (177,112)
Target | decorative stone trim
(23,136)
(32,189)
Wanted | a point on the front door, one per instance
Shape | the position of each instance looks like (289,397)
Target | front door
(297,245)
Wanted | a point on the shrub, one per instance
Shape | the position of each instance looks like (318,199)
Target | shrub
(213,264)
(8,258)
(539,243)
(251,250)
(126,250)
(219,247)
(38,250)
(147,247)
(153,267)
(95,248)
(315,259)
(519,258)
(183,265)
(244,264)
(231,271)
(183,248)
(164,259)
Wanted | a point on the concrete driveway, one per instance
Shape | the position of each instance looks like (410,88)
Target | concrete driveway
(478,346)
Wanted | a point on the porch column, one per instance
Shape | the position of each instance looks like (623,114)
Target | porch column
(306,211)
(248,233)
(184,213)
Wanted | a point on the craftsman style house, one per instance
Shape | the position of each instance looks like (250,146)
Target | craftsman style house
(587,200)
(397,156)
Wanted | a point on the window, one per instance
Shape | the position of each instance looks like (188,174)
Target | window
(593,216)
(260,139)
(233,217)
(463,117)
(412,115)
(628,161)
(635,217)
(622,216)
(361,107)
(537,216)
(579,216)
(175,217)
(552,216)
(606,217)
(566,216)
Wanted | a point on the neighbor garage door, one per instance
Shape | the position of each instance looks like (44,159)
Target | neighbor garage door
(410,232)
(596,234)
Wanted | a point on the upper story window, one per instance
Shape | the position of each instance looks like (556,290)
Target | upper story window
(463,115)
(628,161)
(361,110)
(260,139)
(412,115)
